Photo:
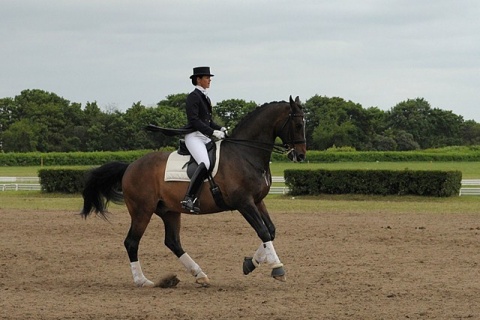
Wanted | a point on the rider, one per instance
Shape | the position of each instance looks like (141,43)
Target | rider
(199,116)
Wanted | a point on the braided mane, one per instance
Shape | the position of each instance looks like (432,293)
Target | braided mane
(253,114)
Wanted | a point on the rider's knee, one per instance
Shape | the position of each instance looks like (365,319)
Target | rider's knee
(207,164)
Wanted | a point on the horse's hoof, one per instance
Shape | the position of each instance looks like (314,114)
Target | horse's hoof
(145,284)
(279,274)
(248,265)
(203,282)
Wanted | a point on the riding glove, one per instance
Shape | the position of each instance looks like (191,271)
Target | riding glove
(223,129)
(219,134)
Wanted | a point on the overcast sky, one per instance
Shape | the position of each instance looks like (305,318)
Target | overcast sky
(118,52)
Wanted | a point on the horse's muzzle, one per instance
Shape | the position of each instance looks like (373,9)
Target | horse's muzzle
(295,156)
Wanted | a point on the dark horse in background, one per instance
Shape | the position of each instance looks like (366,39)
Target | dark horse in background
(243,178)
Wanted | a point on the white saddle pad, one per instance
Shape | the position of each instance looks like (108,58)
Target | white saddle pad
(175,170)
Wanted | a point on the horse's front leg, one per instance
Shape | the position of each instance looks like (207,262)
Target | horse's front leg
(265,254)
(171,221)
(259,219)
(266,219)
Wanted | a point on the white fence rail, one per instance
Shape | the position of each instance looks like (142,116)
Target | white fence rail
(20,187)
(20,179)
(19,184)
(470,187)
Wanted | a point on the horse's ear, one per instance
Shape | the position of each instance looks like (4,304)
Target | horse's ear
(296,102)
(292,104)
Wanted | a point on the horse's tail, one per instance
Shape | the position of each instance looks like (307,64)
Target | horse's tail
(103,184)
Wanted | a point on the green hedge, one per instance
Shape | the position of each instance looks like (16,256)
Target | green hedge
(313,182)
(97,158)
(68,158)
(62,180)
(384,156)
(378,182)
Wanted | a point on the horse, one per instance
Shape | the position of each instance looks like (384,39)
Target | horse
(243,178)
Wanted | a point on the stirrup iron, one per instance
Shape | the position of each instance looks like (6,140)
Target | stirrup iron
(189,204)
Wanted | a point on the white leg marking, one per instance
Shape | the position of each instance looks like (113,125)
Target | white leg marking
(138,278)
(266,254)
(192,266)
(271,255)
(259,255)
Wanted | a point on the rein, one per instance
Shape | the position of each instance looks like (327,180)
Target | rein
(265,146)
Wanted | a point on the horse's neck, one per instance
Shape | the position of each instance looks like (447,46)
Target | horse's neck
(262,127)
(257,137)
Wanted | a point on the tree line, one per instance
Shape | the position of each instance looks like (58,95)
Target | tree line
(37,120)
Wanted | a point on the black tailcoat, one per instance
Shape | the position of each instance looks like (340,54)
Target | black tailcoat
(199,113)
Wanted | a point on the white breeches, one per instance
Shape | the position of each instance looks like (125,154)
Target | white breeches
(195,143)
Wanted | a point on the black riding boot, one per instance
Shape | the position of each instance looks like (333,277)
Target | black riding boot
(196,182)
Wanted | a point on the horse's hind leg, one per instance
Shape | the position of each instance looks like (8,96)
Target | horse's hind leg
(171,221)
(132,241)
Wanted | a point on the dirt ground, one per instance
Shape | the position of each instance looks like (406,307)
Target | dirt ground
(54,265)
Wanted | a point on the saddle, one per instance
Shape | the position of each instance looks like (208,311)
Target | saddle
(192,165)
(181,166)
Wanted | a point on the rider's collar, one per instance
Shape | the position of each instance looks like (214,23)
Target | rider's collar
(202,89)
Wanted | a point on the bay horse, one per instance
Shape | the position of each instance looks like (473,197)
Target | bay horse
(243,177)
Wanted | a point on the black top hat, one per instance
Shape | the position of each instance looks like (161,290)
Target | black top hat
(201,71)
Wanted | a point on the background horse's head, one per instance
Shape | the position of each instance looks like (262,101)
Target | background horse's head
(292,132)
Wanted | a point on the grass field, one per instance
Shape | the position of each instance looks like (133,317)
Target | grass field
(27,171)
(470,170)
(36,200)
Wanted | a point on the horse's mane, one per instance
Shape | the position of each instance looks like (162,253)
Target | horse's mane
(254,113)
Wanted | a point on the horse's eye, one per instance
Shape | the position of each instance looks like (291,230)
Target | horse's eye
(298,126)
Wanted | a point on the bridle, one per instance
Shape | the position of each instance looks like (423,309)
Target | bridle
(290,135)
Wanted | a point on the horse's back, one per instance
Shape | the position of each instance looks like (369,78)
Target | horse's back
(145,173)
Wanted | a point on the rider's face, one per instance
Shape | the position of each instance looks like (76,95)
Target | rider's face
(204,82)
